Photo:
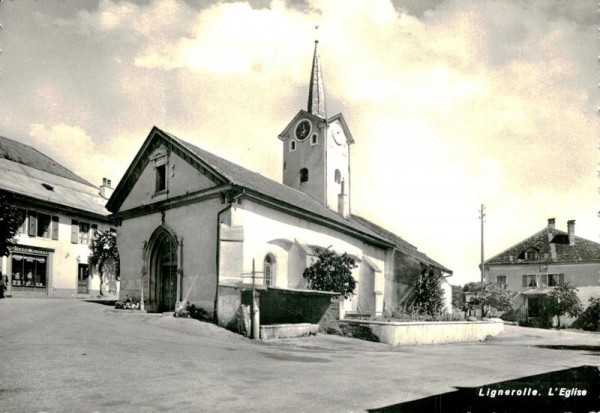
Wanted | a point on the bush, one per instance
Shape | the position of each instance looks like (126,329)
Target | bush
(590,318)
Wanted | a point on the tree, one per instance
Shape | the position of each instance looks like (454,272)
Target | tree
(458,298)
(487,297)
(563,300)
(590,318)
(11,218)
(429,296)
(104,252)
(331,272)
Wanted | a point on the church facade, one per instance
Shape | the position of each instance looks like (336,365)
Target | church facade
(190,223)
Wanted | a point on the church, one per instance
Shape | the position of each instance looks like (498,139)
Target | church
(191,225)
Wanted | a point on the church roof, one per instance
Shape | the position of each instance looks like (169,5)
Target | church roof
(543,243)
(255,185)
(400,244)
(28,173)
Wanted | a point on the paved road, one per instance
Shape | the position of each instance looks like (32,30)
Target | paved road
(69,355)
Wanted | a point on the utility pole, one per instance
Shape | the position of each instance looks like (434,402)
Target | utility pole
(254,310)
(482,218)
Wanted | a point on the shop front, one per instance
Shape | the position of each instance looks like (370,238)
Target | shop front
(28,271)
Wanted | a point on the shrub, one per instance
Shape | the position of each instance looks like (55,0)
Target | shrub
(589,320)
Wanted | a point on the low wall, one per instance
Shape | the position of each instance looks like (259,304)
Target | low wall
(396,333)
(279,331)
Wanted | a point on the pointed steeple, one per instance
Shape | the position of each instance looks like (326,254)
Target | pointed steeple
(316,92)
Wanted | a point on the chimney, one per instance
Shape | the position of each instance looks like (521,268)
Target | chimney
(571,231)
(105,189)
(551,228)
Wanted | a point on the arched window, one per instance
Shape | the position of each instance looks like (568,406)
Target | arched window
(303,175)
(269,269)
(338,176)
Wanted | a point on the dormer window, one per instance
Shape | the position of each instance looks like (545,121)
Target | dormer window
(530,254)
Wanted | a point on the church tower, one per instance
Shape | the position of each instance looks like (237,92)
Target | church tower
(316,149)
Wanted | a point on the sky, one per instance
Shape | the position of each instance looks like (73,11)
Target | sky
(452,104)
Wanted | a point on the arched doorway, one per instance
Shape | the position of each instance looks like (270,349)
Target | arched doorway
(163,271)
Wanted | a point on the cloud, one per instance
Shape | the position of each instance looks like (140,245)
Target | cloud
(452,103)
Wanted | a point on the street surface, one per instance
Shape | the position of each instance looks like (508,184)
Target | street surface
(72,356)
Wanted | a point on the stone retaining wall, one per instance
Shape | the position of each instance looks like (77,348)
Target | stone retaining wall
(396,333)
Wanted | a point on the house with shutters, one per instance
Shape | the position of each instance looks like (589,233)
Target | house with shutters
(60,212)
(193,227)
(534,266)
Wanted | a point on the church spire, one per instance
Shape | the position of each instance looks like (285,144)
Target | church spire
(316,92)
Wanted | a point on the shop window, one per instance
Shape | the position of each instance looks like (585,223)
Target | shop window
(29,271)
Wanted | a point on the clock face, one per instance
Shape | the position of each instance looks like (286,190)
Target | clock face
(303,129)
(337,134)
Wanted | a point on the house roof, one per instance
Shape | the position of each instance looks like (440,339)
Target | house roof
(26,172)
(26,155)
(543,241)
(400,244)
(253,183)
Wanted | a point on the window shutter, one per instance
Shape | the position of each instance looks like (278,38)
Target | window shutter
(32,224)
(74,231)
(524,281)
(54,227)
(544,279)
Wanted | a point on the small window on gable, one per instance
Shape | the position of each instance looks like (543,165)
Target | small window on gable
(338,176)
(161,177)
(160,159)
(314,139)
(303,175)
(292,145)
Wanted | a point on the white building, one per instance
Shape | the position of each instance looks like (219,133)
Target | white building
(60,212)
(191,224)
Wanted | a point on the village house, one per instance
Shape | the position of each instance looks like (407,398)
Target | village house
(60,213)
(535,265)
(192,225)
